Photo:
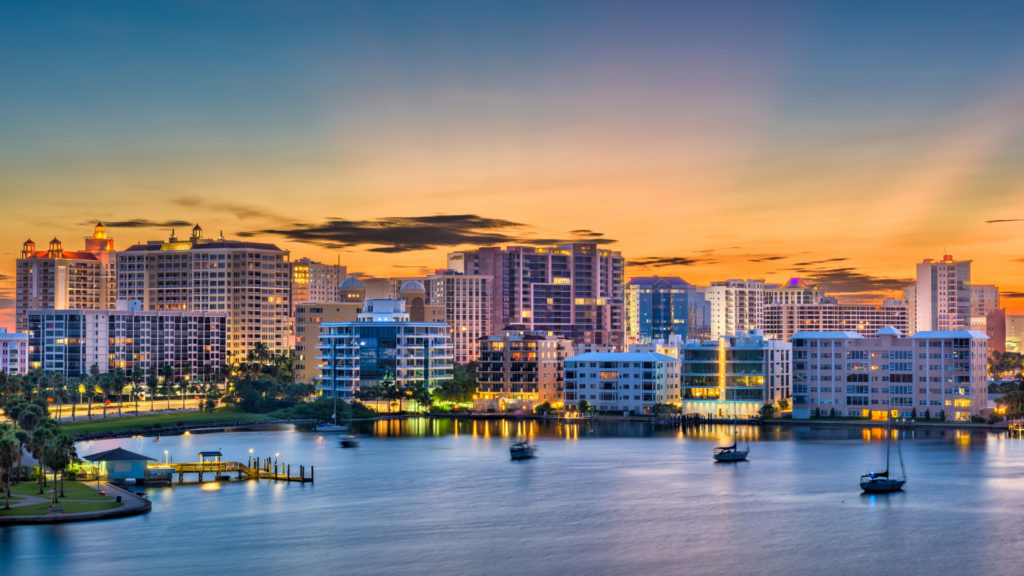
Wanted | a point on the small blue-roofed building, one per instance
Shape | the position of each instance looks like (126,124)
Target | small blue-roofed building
(120,464)
(657,308)
(621,381)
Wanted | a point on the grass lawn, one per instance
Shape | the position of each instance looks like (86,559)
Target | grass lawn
(78,497)
(73,490)
(157,421)
(69,508)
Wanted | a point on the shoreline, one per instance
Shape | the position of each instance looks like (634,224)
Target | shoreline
(131,505)
(172,430)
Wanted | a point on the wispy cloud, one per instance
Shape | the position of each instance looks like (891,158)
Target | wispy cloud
(1010,220)
(1012,295)
(820,262)
(659,262)
(140,223)
(769,259)
(852,281)
(238,210)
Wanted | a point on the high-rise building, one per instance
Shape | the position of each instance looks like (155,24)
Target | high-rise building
(793,291)
(984,299)
(13,352)
(249,281)
(520,369)
(71,341)
(382,346)
(1014,333)
(942,372)
(992,325)
(657,308)
(574,289)
(314,281)
(736,306)
(467,305)
(943,295)
(733,375)
(781,321)
(621,381)
(58,279)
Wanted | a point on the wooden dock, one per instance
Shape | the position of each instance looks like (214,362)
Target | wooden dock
(260,470)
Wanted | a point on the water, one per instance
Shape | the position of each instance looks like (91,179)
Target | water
(430,497)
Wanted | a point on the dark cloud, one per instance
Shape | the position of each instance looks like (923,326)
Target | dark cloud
(656,262)
(1012,295)
(1011,220)
(769,259)
(587,234)
(240,211)
(141,223)
(852,281)
(1021,260)
(405,234)
(820,262)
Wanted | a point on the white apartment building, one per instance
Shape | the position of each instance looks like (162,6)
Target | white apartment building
(793,291)
(736,306)
(248,281)
(781,321)
(467,301)
(621,381)
(13,352)
(984,299)
(943,295)
(943,373)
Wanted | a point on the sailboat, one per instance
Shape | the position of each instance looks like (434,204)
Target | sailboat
(523,450)
(731,453)
(872,482)
(328,427)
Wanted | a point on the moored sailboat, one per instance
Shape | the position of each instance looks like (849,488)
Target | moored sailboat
(329,427)
(882,482)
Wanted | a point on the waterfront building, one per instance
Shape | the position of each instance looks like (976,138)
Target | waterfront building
(58,279)
(793,291)
(313,281)
(13,352)
(734,375)
(992,325)
(71,341)
(781,321)
(574,289)
(735,306)
(1014,333)
(382,346)
(910,299)
(248,281)
(942,295)
(466,300)
(519,369)
(621,381)
(943,372)
(657,308)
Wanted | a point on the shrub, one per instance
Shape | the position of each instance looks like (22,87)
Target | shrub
(977,420)
(542,407)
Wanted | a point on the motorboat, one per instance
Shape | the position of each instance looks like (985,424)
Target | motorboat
(731,453)
(522,450)
(882,481)
(349,442)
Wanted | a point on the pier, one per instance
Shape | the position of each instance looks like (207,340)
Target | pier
(210,463)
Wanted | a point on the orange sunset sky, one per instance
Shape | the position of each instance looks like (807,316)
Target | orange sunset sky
(706,142)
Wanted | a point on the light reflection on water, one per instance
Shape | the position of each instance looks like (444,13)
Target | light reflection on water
(441,495)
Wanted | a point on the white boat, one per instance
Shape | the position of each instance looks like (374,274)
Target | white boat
(331,427)
(882,482)
(521,450)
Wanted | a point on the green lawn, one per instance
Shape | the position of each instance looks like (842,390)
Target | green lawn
(73,490)
(157,421)
(78,497)
(69,508)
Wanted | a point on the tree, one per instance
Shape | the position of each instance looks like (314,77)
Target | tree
(583,406)
(36,443)
(927,414)
(542,407)
(942,415)
(58,386)
(119,381)
(167,371)
(767,410)
(94,373)
(832,413)
(10,453)
(421,396)
(74,387)
(784,404)
(183,384)
(137,378)
(913,414)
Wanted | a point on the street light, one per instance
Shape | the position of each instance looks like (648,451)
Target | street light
(166,461)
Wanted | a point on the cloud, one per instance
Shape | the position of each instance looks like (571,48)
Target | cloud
(405,234)
(141,223)
(1012,295)
(769,259)
(240,211)
(820,261)
(657,262)
(1011,220)
(851,281)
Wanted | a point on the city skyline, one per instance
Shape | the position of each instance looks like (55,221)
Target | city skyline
(701,142)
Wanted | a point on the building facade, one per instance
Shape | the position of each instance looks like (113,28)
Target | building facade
(13,352)
(984,299)
(793,291)
(658,308)
(942,295)
(248,281)
(886,375)
(620,381)
(1014,333)
(381,347)
(781,321)
(71,341)
(520,369)
(313,281)
(734,375)
(574,290)
(735,306)
(58,279)
(467,301)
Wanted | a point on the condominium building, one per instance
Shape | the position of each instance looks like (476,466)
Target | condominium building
(71,341)
(793,291)
(621,381)
(992,325)
(382,346)
(781,321)
(13,352)
(984,299)
(467,306)
(1014,333)
(58,279)
(735,306)
(315,281)
(657,308)
(574,289)
(519,369)
(248,281)
(734,375)
(941,372)
(943,295)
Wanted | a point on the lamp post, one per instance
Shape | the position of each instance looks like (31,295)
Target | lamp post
(250,457)
(166,461)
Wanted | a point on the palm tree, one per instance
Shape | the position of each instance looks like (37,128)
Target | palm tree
(183,384)
(94,373)
(120,379)
(137,378)
(36,442)
(10,453)
(152,383)
(106,385)
(167,371)
(74,385)
(59,386)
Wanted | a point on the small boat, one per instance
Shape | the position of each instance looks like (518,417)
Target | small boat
(881,482)
(521,450)
(349,442)
(731,453)
(328,427)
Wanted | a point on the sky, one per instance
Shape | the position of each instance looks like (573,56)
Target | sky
(841,142)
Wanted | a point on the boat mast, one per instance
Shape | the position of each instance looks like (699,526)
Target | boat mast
(888,444)
(903,469)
